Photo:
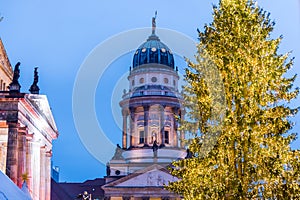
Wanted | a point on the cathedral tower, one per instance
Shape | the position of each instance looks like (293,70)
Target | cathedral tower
(150,111)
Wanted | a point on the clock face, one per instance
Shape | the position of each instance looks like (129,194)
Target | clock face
(153,49)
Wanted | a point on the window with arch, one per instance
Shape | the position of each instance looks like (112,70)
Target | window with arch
(166,138)
(153,136)
(142,137)
(142,80)
(166,80)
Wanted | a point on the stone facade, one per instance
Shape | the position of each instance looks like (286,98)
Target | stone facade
(27,129)
(6,72)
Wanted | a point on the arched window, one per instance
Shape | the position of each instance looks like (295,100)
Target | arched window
(166,137)
(142,80)
(153,136)
(142,137)
(153,55)
(143,57)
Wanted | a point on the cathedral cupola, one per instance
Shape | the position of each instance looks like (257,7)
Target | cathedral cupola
(153,51)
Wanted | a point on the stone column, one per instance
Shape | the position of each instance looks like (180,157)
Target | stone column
(175,127)
(3,145)
(42,193)
(162,124)
(28,161)
(48,175)
(124,131)
(12,152)
(132,120)
(182,113)
(22,131)
(146,118)
(36,168)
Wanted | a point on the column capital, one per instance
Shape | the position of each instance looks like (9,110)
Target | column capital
(125,112)
(29,137)
(49,153)
(146,107)
(23,130)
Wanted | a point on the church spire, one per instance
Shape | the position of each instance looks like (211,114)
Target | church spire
(154,23)
(15,86)
(34,88)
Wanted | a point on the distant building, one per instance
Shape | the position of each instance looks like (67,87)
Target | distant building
(71,191)
(27,129)
(54,172)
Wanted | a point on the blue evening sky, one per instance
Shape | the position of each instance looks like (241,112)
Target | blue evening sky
(58,35)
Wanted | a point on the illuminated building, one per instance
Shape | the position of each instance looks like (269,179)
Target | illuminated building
(27,129)
(150,136)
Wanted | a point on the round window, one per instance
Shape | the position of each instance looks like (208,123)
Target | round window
(142,80)
(153,79)
(153,49)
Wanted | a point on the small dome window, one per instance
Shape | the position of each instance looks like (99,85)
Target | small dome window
(166,80)
(132,83)
(144,50)
(163,50)
(136,52)
(142,80)
(153,79)
(153,49)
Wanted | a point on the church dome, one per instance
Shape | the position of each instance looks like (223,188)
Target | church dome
(153,51)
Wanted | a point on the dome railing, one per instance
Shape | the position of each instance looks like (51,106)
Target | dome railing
(146,92)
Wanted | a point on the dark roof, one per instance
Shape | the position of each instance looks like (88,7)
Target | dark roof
(69,191)
(153,51)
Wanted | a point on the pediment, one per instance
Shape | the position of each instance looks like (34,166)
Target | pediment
(41,104)
(153,176)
